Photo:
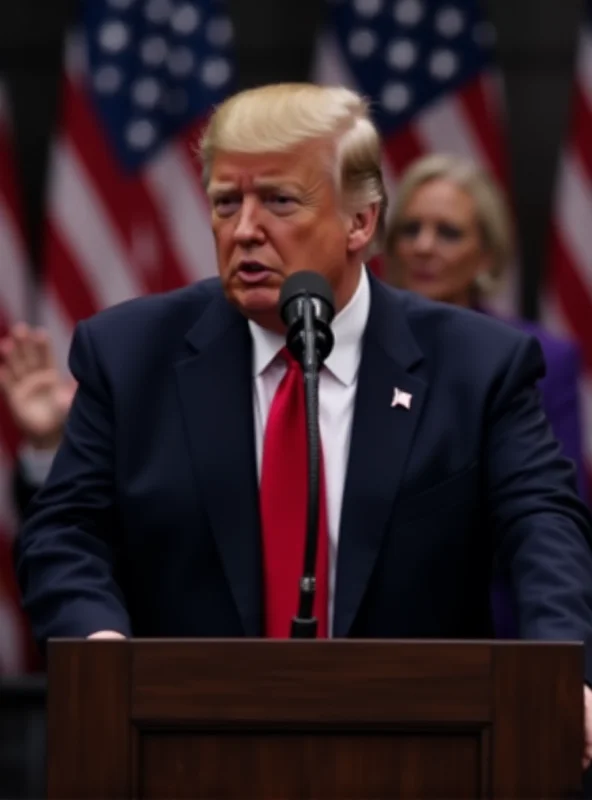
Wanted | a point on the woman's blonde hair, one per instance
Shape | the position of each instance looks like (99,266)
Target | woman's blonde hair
(493,215)
(279,117)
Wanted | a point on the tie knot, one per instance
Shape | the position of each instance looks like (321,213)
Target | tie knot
(288,358)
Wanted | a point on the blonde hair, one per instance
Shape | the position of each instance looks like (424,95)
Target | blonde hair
(278,117)
(493,215)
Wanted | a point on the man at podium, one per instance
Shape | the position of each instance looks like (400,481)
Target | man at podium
(177,503)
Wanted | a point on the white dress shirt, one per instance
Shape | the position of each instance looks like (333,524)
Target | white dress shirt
(337,389)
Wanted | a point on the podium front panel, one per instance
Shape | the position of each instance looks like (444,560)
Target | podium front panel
(363,720)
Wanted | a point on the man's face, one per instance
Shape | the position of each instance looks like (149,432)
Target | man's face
(273,215)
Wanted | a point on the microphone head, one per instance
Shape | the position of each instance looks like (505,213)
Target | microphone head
(308,283)
(310,288)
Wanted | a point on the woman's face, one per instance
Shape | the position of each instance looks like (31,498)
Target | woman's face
(438,247)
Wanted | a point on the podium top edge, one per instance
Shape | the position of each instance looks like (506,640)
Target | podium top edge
(333,643)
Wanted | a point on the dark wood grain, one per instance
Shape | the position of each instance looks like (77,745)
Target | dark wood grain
(312,766)
(88,714)
(538,720)
(341,719)
(368,681)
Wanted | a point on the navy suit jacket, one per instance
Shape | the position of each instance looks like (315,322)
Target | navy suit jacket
(560,398)
(560,390)
(149,521)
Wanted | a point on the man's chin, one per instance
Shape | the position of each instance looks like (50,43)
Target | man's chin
(259,304)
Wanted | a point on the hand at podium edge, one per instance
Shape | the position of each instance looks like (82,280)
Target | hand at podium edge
(587,757)
(106,635)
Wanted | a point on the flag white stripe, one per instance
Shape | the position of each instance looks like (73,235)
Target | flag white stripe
(444,129)
(59,325)
(81,219)
(174,188)
(574,215)
(13,267)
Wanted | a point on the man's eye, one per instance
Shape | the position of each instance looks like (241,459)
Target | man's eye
(226,205)
(280,202)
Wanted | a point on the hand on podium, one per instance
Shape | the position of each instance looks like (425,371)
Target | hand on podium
(106,635)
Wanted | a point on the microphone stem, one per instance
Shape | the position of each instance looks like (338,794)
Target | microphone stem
(304,626)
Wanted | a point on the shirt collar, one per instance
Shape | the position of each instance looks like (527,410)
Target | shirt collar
(348,329)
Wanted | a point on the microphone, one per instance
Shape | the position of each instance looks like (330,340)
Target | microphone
(307,307)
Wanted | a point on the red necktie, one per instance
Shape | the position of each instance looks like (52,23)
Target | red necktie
(283,496)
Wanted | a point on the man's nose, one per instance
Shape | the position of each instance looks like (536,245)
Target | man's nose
(248,228)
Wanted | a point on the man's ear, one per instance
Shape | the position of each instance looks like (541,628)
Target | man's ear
(362,225)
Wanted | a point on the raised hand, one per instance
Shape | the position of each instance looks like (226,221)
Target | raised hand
(36,394)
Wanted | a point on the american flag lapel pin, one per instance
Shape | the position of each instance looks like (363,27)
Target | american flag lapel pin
(401,398)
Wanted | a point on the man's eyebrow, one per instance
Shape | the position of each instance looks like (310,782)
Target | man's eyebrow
(277,183)
(259,183)
(221,186)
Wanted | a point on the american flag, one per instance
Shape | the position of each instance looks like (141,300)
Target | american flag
(126,212)
(14,303)
(567,297)
(429,70)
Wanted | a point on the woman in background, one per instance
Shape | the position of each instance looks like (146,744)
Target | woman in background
(450,239)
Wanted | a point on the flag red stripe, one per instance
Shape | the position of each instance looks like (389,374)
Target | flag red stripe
(566,283)
(403,147)
(485,126)
(67,279)
(582,131)
(9,195)
(126,197)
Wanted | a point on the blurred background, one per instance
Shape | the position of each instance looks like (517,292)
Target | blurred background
(101,103)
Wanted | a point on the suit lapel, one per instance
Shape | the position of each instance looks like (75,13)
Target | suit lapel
(380,442)
(215,384)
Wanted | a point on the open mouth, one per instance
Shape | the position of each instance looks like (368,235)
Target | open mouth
(253,272)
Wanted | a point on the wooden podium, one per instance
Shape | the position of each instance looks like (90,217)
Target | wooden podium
(265,720)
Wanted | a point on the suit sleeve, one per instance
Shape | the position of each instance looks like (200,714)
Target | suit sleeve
(541,527)
(31,470)
(65,555)
(562,403)
(23,490)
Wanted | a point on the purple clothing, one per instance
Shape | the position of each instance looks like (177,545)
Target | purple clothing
(560,399)
(560,393)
